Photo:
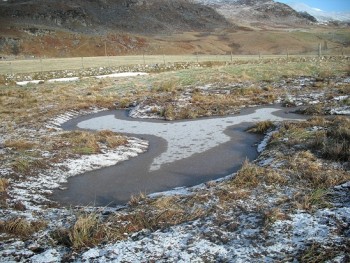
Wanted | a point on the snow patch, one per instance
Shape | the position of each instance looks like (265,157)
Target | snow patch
(63,80)
(345,110)
(120,75)
(25,83)
(49,256)
(262,145)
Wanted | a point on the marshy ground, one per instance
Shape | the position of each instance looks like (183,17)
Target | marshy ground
(291,203)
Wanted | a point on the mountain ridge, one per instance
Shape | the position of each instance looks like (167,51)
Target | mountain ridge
(321,15)
(254,12)
(136,16)
(132,27)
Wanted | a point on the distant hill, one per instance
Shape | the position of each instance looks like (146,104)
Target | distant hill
(259,12)
(322,16)
(133,16)
(71,28)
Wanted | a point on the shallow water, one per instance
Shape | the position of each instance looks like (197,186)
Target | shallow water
(181,153)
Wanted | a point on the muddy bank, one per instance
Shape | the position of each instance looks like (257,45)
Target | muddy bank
(217,151)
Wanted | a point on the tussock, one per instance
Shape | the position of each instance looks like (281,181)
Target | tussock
(85,232)
(262,127)
(306,168)
(19,145)
(4,183)
(83,142)
(251,175)
(22,227)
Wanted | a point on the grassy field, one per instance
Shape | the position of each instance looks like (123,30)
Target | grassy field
(30,148)
(56,64)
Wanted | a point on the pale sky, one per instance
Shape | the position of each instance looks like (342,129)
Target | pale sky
(325,5)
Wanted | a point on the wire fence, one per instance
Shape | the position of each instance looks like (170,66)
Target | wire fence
(76,63)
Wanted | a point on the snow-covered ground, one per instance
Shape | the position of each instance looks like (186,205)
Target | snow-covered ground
(73,79)
(238,234)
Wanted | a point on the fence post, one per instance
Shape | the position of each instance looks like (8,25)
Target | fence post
(11,69)
(164,59)
(144,61)
(82,62)
(319,50)
(287,54)
(231,57)
(41,65)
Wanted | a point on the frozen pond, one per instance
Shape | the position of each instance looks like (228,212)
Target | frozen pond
(181,153)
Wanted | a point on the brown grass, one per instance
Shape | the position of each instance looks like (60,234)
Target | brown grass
(161,213)
(19,145)
(251,175)
(307,169)
(229,195)
(83,142)
(331,142)
(4,183)
(262,127)
(90,229)
(334,144)
(22,227)
(86,231)
(316,252)
(111,139)
(317,198)
(273,215)
(137,199)
(27,165)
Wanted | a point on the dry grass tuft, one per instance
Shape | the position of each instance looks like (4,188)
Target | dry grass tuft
(22,227)
(86,232)
(83,142)
(90,229)
(251,175)
(316,253)
(337,146)
(4,183)
(169,112)
(26,165)
(308,169)
(317,198)
(262,127)
(137,199)
(273,215)
(229,195)
(164,212)
(19,145)
(21,165)
(327,138)
(111,139)
(166,86)
(333,143)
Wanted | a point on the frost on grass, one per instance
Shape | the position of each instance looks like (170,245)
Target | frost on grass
(55,123)
(36,188)
(272,222)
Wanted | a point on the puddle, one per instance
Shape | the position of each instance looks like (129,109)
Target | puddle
(181,153)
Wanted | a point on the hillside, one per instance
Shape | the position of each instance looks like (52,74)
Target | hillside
(133,16)
(76,28)
(261,13)
(49,28)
